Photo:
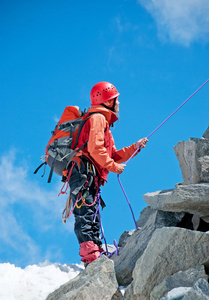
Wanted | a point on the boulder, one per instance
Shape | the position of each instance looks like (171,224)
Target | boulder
(169,251)
(135,243)
(97,281)
(186,155)
(124,237)
(193,198)
(206,134)
(193,159)
(180,279)
(177,293)
(200,291)
(204,174)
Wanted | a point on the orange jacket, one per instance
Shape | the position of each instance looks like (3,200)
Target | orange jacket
(101,148)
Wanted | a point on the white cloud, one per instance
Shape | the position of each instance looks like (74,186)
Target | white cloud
(13,236)
(181,21)
(16,186)
(18,194)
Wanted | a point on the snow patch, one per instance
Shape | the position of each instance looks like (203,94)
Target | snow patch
(35,282)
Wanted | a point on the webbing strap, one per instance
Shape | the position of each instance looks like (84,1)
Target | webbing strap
(79,131)
(81,126)
(36,170)
(52,169)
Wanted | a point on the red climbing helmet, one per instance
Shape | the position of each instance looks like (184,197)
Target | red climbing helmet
(102,92)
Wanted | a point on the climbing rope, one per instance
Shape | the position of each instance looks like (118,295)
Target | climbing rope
(148,138)
(83,199)
(107,253)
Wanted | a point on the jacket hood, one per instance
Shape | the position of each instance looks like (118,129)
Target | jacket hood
(108,114)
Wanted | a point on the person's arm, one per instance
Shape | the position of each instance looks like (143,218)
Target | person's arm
(96,146)
(122,155)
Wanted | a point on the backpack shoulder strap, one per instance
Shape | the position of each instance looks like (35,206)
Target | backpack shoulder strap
(81,127)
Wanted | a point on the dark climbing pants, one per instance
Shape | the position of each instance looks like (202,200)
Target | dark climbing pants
(85,228)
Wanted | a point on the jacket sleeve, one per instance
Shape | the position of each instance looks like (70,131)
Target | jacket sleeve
(96,144)
(122,155)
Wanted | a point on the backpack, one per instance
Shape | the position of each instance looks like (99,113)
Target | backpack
(61,147)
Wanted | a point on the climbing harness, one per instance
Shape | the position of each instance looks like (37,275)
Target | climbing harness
(81,197)
(83,191)
(148,138)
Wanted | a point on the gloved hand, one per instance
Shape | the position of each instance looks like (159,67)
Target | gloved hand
(121,169)
(141,143)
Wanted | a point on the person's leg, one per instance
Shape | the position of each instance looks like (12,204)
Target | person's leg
(85,227)
(86,230)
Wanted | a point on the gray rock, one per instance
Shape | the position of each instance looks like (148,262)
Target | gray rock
(193,159)
(200,291)
(186,155)
(145,215)
(194,295)
(137,242)
(206,134)
(124,237)
(202,286)
(169,251)
(193,198)
(149,216)
(176,293)
(97,281)
(160,218)
(180,279)
(110,248)
(195,221)
(204,173)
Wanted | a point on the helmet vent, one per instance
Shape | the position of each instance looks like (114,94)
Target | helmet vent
(102,92)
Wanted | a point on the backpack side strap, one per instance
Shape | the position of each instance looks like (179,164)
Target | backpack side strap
(52,169)
(36,170)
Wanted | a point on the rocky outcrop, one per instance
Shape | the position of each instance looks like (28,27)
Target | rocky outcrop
(96,282)
(193,199)
(135,243)
(167,258)
(169,251)
(193,159)
(199,291)
(182,278)
(191,196)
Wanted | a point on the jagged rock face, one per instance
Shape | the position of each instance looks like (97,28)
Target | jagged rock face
(193,159)
(206,134)
(193,198)
(180,279)
(97,281)
(170,250)
(136,242)
(199,291)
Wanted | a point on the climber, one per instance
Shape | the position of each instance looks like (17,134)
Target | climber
(93,164)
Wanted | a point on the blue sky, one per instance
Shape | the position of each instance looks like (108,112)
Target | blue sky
(51,54)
